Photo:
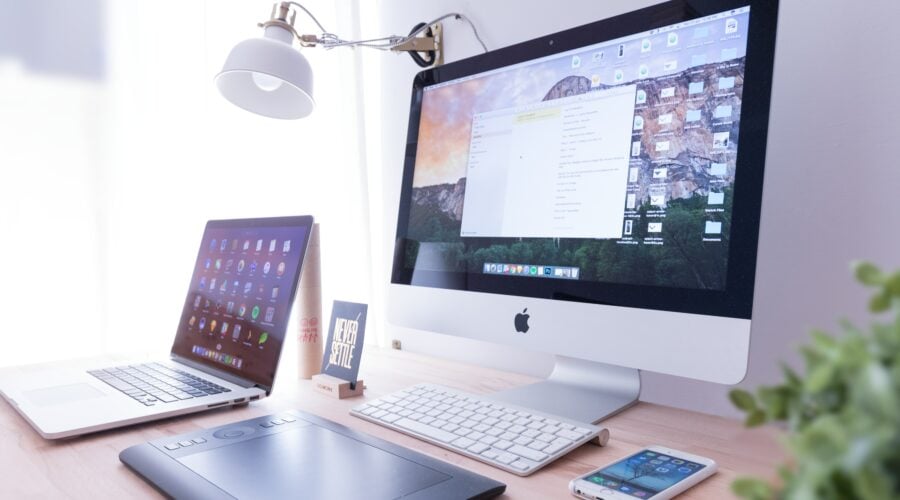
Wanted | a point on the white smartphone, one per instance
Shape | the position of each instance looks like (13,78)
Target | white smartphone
(656,473)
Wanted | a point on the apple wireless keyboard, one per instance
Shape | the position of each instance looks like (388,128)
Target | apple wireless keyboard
(515,439)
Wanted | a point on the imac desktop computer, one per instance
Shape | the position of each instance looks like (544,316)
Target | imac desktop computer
(594,194)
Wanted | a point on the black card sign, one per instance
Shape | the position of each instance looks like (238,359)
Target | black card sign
(345,340)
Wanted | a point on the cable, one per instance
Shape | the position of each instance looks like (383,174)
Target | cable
(329,40)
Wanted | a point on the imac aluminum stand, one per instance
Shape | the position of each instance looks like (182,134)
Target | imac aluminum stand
(581,390)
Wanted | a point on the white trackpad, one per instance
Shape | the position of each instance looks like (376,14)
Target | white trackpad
(63,394)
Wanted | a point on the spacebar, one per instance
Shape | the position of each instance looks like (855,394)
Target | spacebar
(426,430)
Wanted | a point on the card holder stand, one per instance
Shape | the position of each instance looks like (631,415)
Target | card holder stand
(336,387)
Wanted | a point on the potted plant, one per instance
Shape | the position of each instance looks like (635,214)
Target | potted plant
(842,414)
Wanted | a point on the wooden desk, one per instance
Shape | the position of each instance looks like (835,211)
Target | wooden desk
(89,467)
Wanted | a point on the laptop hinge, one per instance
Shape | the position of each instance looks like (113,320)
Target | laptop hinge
(234,379)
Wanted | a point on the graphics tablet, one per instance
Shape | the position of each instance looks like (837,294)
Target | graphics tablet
(297,455)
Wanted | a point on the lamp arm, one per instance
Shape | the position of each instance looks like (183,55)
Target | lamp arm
(284,17)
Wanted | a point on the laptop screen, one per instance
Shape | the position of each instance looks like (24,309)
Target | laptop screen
(237,308)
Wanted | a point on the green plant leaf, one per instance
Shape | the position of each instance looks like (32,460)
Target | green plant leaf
(755,418)
(819,378)
(893,284)
(880,302)
(742,399)
(752,489)
(867,274)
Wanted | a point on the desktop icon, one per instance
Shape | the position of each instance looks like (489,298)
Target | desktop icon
(224,245)
(638,123)
(248,287)
(533,270)
(280,270)
(272,245)
(654,227)
(640,97)
(286,247)
(259,245)
(263,338)
(229,308)
(254,313)
(274,292)
(236,332)
(207,263)
(619,76)
(548,271)
(576,62)
(270,314)
(192,321)
(731,26)
(228,264)
(246,245)
(241,265)
(212,326)
(670,65)
(234,244)
(629,224)
(520,321)
(212,245)
(672,40)
(621,52)
(202,282)
(202,323)
(218,264)
(253,266)
(242,310)
(224,329)
(223,286)
(646,45)
(643,71)
(598,56)
(267,267)
(720,140)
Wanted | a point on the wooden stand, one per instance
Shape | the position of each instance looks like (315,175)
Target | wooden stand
(335,387)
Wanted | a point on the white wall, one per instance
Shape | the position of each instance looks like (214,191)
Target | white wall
(106,183)
(831,181)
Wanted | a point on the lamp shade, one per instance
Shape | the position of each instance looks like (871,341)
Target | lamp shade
(269,77)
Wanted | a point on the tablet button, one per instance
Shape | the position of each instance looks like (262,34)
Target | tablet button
(231,433)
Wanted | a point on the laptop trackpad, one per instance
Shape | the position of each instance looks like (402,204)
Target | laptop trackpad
(60,394)
(310,462)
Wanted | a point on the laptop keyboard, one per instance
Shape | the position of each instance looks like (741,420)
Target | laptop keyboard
(153,383)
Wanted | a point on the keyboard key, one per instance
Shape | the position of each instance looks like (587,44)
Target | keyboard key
(185,444)
(554,448)
(478,448)
(569,434)
(521,465)
(522,440)
(537,445)
(425,430)
(507,458)
(173,446)
(528,453)
(463,442)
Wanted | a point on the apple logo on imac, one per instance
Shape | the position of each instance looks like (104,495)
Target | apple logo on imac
(521,321)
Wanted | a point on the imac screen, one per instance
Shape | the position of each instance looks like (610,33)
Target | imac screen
(612,163)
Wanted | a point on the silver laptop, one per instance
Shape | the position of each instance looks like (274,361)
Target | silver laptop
(226,349)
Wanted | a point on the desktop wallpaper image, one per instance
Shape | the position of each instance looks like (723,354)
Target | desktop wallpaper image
(685,258)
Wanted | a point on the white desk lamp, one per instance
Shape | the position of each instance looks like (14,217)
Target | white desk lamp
(267,76)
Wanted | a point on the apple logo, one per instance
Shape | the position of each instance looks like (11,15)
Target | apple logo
(521,321)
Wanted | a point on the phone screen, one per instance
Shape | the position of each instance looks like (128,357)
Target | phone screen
(644,474)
